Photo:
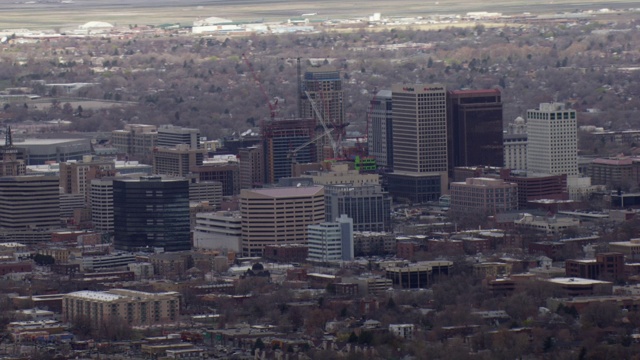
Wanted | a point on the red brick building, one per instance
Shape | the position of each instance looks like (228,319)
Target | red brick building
(407,249)
(286,253)
(15,267)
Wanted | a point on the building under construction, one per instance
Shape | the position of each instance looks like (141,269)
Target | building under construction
(282,140)
(323,87)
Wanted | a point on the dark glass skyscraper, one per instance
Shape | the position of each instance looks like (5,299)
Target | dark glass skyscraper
(380,136)
(475,128)
(151,212)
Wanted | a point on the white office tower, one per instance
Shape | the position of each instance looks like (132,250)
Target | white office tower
(101,200)
(331,241)
(552,140)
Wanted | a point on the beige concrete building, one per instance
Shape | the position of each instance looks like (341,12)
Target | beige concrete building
(514,143)
(209,191)
(135,139)
(483,196)
(76,176)
(420,160)
(176,161)
(630,249)
(279,216)
(29,208)
(137,308)
(251,167)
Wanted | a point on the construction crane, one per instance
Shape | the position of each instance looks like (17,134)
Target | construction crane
(334,146)
(273,105)
(292,153)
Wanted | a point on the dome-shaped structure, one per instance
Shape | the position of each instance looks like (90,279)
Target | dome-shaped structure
(519,120)
(96,25)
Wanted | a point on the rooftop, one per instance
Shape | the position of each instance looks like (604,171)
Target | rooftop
(577,281)
(288,192)
(95,295)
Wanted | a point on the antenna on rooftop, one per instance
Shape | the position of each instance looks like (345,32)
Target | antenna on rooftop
(8,140)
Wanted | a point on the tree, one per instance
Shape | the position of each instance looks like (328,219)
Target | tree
(259,344)
(44,260)
(600,314)
(353,338)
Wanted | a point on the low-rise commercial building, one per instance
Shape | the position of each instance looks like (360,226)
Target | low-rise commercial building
(483,196)
(418,275)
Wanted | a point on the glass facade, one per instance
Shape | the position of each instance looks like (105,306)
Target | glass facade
(151,212)
(476,128)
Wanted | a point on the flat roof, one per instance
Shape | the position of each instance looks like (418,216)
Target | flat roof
(287,192)
(577,281)
(96,295)
(27,142)
(625,243)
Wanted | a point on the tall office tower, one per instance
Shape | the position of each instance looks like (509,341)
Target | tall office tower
(101,200)
(380,136)
(278,216)
(331,241)
(367,205)
(171,136)
(136,140)
(29,208)
(419,142)
(282,141)
(76,176)
(11,163)
(552,140)
(325,90)
(474,128)
(151,212)
(515,145)
(177,160)
(251,167)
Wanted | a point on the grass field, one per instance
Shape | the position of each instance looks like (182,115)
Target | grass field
(58,15)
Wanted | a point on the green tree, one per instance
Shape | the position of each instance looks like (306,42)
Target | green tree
(353,338)
(44,260)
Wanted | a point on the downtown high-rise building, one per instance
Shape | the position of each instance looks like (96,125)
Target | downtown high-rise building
(420,162)
(11,158)
(151,212)
(474,128)
(324,87)
(284,143)
(367,205)
(514,142)
(29,208)
(552,144)
(251,167)
(380,129)
(332,240)
(101,201)
(171,136)
(279,216)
